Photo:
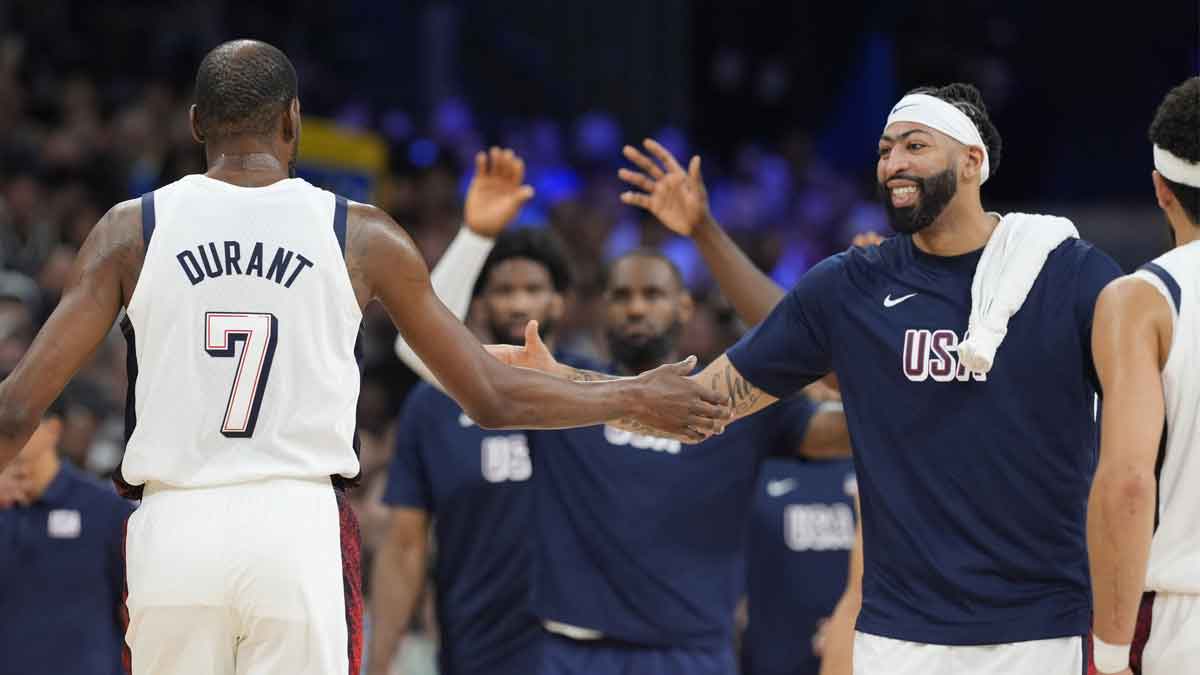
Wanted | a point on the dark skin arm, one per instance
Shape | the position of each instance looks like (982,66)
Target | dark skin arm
(720,377)
(827,436)
(399,579)
(384,264)
(679,199)
(101,282)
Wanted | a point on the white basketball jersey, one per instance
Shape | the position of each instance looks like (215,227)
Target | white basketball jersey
(244,324)
(1175,551)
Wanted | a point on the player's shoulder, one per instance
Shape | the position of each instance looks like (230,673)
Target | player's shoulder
(885,254)
(1075,253)
(364,216)
(857,266)
(1179,259)
(123,218)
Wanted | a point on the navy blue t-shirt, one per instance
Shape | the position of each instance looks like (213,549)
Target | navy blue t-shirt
(475,483)
(973,489)
(797,559)
(643,538)
(62,579)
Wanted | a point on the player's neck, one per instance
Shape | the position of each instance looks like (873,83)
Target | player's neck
(1185,231)
(246,162)
(961,228)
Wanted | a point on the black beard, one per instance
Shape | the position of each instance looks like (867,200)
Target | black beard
(935,193)
(640,354)
(501,335)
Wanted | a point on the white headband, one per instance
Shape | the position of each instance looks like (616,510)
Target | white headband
(1175,168)
(935,113)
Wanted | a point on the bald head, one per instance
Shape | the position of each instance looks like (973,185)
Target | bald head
(243,88)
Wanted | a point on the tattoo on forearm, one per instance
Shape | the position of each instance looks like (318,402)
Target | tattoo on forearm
(631,425)
(580,375)
(742,394)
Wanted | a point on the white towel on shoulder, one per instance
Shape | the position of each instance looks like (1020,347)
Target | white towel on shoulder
(1011,262)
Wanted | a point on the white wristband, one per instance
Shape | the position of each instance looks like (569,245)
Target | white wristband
(1109,658)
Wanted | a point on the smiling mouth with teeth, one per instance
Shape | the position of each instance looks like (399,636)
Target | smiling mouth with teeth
(904,195)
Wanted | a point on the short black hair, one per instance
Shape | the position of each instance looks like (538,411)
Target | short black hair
(1176,129)
(539,245)
(242,87)
(646,252)
(966,97)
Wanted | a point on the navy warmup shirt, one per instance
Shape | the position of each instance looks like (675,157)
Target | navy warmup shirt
(643,538)
(475,483)
(797,559)
(973,489)
(62,579)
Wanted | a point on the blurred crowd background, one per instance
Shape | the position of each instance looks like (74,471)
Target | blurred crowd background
(784,100)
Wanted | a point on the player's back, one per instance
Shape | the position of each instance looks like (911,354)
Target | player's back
(1175,552)
(241,330)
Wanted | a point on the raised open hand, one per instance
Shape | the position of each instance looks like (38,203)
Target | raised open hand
(496,192)
(533,354)
(676,197)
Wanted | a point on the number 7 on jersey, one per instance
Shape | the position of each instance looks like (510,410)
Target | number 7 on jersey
(258,333)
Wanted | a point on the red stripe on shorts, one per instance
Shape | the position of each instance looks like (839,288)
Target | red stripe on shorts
(1141,632)
(352,581)
(123,607)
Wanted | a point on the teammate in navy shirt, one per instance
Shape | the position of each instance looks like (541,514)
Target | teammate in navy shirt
(473,484)
(973,487)
(641,540)
(62,564)
(801,532)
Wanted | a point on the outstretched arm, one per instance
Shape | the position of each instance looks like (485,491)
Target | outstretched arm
(494,197)
(1131,337)
(101,281)
(720,377)
(680,200)
(399,578)
(384,264)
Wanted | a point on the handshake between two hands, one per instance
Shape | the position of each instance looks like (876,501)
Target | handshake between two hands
(679,407)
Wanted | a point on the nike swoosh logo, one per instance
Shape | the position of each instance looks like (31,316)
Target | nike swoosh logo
(889,302)
(779,488)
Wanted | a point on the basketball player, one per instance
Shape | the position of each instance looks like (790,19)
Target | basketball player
(973,485)
(473,486)
(797,556)
(243,290)
(1147,347)
(639,538)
